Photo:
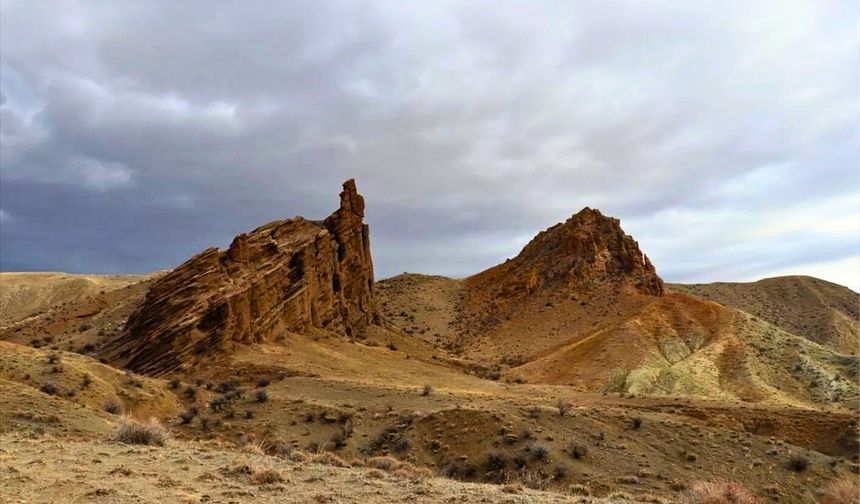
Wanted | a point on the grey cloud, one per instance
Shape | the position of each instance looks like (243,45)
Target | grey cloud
(159,128)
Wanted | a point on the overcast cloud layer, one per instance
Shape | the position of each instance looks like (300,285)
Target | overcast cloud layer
(723,134)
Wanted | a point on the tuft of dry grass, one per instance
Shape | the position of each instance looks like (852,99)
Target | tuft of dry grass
(719,492)
(327,458)
(386,463)
(840,491)
(266,476)
(134,432)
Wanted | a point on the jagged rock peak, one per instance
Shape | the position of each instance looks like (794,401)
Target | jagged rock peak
(586,252)
(288,275)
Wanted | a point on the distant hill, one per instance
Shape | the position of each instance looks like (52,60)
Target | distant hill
(820,311)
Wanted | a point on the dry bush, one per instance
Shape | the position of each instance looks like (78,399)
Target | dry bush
(719,492)
(409,471)
(426,390)
(113,407)
(563,407)
(298,456)
(840,491)
(266,476)
(386,463)
(797,462)
(49,388)
(133,432)
(328,459)
(375,474)
(579,489)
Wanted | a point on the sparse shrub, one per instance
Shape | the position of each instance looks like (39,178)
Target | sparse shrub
(261,396)
(402,445)
(53,358)
(391,346)
(426,390)
(310,417)
(840,491)
(386,463)
(559,473)
(132,379)
(798,462)
(448,470)
(280,449)
(338,440)
(132,432)
(49,388)
(579,489)
(636,423)
(264,382)
(217,404)
(563,407)
(577,451)
(539,452)
(174,383)
(719,492)
(56,369)
(86,381)
(495,461)
(534,412)
(266,476)
(226,386)
(249,414)
(328,458)
(190,392)
(113,407)
(187,416)
(519,461)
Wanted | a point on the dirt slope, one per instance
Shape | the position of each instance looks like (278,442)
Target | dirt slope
(24,295)
(823,312)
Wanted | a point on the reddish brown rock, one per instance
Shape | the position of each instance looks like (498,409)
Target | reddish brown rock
(289,275)
(586,253)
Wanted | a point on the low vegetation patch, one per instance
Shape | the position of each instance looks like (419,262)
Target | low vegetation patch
(133,432)
(266,476)
(845,489)
(719,492)
(798,462)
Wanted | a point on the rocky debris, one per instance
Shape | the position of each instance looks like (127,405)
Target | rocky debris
(584,253)
(288,275)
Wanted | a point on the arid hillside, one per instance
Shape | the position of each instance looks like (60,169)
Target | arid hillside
(823,312)
(280,370)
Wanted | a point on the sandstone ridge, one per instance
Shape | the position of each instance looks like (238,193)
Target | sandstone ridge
(288,275)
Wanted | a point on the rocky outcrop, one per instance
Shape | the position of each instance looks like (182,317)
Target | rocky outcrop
(587,252)
(289,275)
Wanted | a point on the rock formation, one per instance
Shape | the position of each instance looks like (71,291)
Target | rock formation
(586,252)
(288,275)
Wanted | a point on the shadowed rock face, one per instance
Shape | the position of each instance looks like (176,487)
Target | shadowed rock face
(289,275)
(586,252)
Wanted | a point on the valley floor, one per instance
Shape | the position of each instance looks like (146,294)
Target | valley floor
(54,470)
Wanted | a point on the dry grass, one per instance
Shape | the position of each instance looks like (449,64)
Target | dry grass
(327,458)
(134,432)
(719,492)
(841,491)
(266,476)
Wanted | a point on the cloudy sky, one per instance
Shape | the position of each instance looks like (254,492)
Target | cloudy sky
(724,135)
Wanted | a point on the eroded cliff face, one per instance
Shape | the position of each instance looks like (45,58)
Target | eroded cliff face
(587,254)
(289,275)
